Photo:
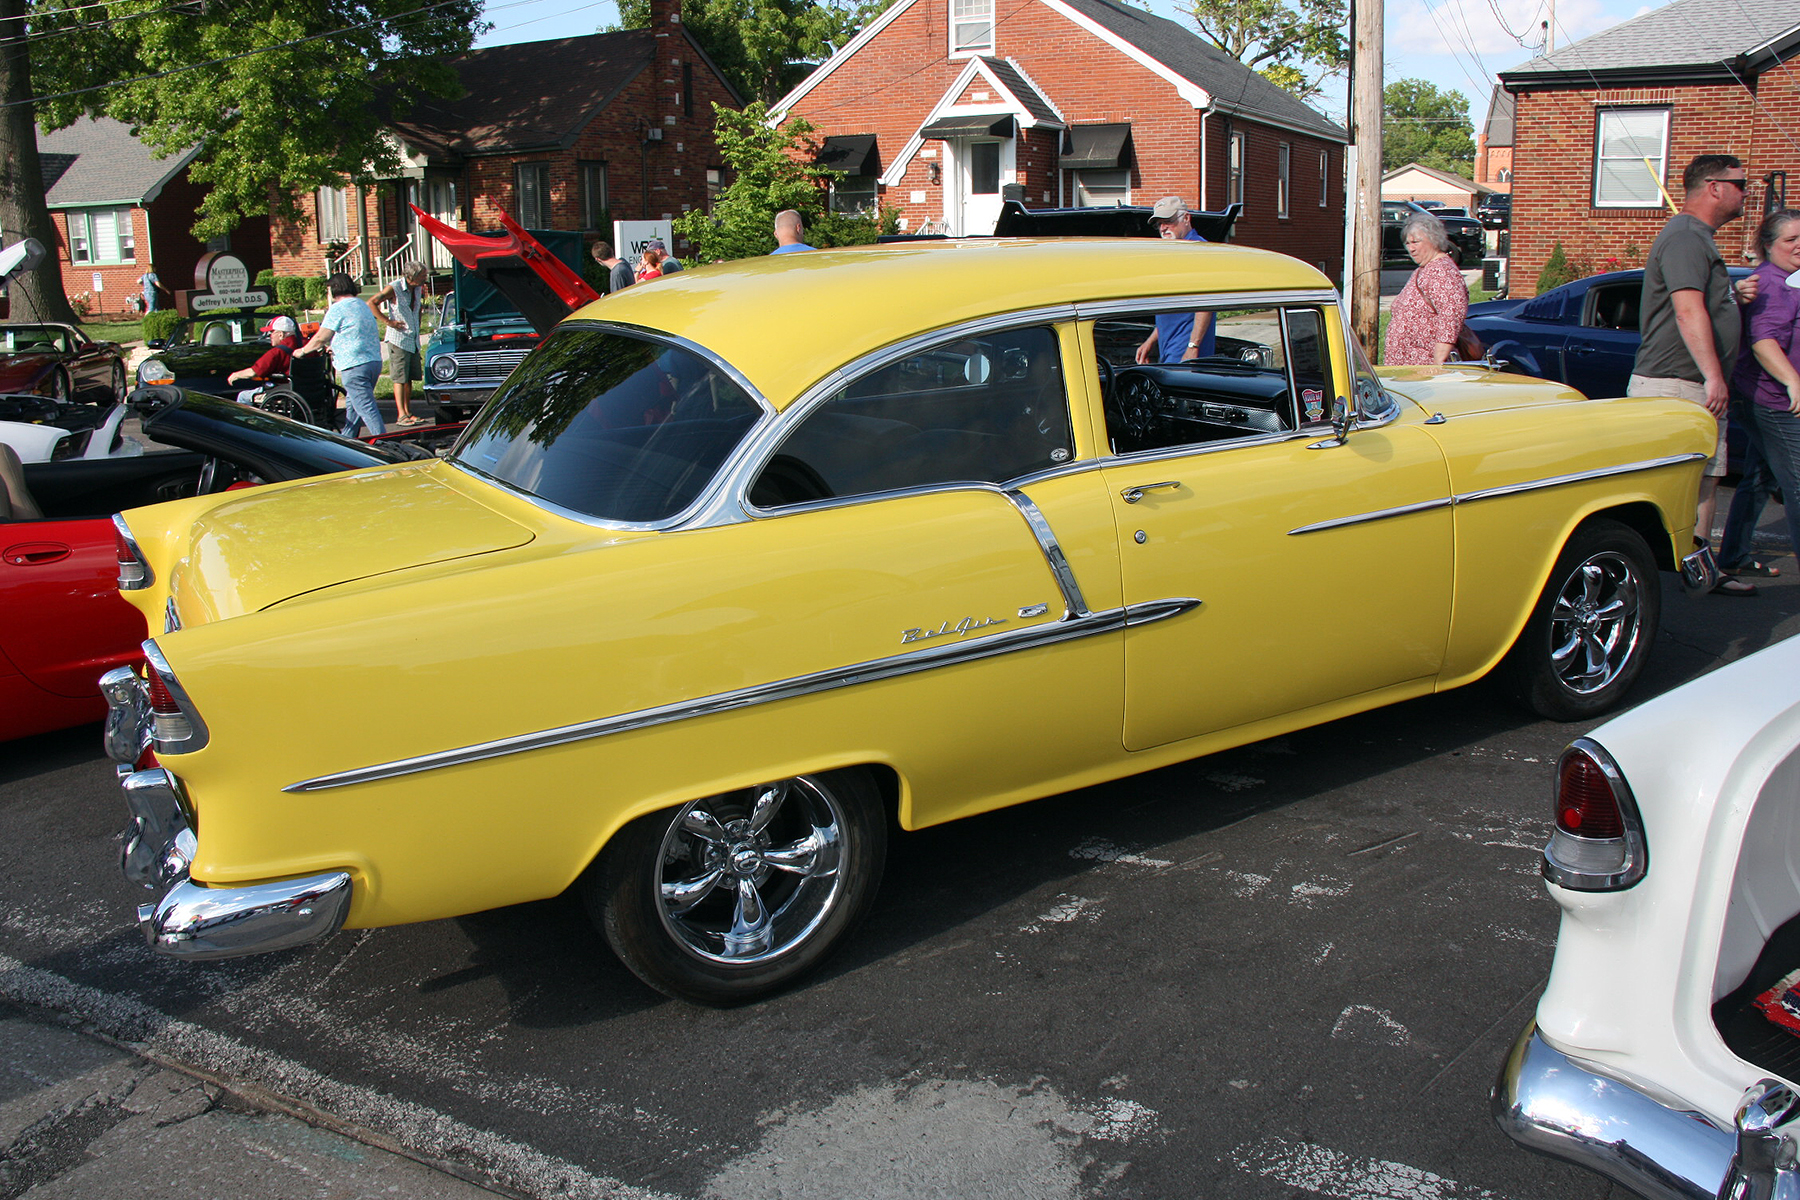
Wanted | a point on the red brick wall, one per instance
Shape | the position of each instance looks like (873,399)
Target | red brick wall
(893,81)
(1553,172)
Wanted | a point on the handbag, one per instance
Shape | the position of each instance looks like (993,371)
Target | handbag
(1468,345)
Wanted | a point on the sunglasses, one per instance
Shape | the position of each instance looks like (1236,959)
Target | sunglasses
(1742,185)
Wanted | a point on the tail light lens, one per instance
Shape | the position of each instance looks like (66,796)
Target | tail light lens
(175,724)
(134,569)
(1598,844)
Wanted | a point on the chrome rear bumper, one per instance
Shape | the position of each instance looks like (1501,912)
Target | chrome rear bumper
(188,919)
(1699,570)
(1544,1101)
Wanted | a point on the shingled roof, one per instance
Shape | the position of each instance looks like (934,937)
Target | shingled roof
(97,161)
(1234,87)
(1688,41)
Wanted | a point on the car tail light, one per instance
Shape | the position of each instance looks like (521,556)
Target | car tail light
(134,569)
(1598,843)
(175,724)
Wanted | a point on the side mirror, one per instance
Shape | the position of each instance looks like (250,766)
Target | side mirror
(1341,425)
(156,344)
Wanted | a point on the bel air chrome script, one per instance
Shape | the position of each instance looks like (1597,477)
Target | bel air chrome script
(965,626)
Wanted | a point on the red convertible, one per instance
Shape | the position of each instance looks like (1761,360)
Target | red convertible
(65,623)
(60,361)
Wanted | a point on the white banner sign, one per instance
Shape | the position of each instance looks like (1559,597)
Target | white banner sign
(630,237)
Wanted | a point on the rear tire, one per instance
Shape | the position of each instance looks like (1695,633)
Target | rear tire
(1591,630)
(727,899)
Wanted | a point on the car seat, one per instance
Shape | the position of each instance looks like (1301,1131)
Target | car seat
(217,334)
(16,503)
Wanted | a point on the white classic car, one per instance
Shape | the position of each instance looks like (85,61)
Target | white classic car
(1668,1037)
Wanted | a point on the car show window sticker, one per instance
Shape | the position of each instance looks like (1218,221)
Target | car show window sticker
(1511,489)
(930,658)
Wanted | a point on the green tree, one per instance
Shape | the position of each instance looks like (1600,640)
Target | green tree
(1295,44)
(278,96)
(764,47)
(772,169)
(1426,124)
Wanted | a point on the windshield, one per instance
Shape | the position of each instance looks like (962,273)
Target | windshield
(34,339)
(228,329)
(610,425)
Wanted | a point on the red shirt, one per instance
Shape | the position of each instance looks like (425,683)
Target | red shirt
(1429,309)
(276,360)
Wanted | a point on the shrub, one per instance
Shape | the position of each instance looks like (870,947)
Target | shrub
(159,324)
(279,310)
(315,291)
(290,289)
(1557,271)
(265,278)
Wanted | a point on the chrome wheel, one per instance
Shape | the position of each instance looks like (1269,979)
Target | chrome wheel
(732,897)
(748,876)
(1594,623)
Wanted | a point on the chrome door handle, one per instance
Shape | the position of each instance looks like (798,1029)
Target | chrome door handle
(1134,494)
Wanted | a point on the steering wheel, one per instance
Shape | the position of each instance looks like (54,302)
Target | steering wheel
(1107,378)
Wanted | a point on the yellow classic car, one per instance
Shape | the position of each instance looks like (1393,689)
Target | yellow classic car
(740,567)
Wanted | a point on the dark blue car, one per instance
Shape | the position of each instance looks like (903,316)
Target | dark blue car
(1584,334)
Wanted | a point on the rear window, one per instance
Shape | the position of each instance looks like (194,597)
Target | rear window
(610,425)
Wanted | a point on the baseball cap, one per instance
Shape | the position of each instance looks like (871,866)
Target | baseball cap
(657,244)
(1168,208)
(279,325)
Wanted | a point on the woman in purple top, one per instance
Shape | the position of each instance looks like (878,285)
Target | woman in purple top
(1767,389)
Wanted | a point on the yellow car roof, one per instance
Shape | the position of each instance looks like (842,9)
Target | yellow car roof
(787,320)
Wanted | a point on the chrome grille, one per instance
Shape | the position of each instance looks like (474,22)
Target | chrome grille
(484,368)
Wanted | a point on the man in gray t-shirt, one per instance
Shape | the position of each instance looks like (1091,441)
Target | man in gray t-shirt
(1690,318)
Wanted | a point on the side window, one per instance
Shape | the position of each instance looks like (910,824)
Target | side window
(1255,372)
(985,409)
(1614,307)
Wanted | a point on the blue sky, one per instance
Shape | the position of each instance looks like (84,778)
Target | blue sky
(1456,44)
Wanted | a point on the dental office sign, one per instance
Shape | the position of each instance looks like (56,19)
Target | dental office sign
(223,281)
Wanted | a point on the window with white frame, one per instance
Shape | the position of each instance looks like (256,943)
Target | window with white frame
(1234,168)
(1631,151)
(593,195)
(971,26)
(534,195)
(1284,178)
(334,223)
(1324,178)
(101,236)
(853,194)
(1102,189)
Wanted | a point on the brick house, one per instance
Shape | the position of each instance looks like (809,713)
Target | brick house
(1414,181)
(941,108)
(1494,144)
(1604,127)
(571,133)
(120,211)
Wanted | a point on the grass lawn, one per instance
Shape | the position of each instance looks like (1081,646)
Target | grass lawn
(113,331)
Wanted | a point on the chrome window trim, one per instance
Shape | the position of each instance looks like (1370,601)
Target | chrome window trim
(1074,603)
(1201,302)
(1069,628)
(201,735)
(1511,489)
(721,477)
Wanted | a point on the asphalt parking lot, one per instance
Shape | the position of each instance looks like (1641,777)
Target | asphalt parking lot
(1286,970)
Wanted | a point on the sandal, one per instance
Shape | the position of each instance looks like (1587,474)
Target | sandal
(1731,585)
(1761,570)
(410,420)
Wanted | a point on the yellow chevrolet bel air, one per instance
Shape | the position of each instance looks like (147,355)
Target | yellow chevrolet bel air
(741,566)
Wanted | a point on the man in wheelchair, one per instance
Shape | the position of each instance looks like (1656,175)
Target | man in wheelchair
(284,337)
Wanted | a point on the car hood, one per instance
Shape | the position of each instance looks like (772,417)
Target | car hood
(1461,391)
(202,359)
(268,545)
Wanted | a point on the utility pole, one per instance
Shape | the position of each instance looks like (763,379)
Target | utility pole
(1364,269)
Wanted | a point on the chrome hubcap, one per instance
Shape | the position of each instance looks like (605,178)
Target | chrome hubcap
(1595,622)
(748,876)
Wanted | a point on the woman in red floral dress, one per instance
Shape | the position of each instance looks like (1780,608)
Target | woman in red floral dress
(1428,313)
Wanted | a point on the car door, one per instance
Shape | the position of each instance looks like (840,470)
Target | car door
(66,624)
(1598,352)
(1321,566)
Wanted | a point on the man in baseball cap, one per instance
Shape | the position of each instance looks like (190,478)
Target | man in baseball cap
(1178,336)
(278,359)
(670,264)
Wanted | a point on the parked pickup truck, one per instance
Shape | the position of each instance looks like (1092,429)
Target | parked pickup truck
(483,336)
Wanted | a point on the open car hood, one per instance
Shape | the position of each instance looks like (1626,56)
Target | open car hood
(500,272)
(267,545)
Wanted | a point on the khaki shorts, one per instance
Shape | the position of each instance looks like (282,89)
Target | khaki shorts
(402,365)
(1645,385)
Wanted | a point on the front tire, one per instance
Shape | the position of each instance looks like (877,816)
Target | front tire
(1591,630)
(727,899)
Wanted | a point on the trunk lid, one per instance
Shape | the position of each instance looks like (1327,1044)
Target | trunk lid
(269,545)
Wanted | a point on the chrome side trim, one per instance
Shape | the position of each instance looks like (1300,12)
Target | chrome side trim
(874,670)
(1546,1102)
(1511,489)
(1073,601)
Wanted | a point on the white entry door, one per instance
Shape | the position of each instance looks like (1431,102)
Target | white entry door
(978,167)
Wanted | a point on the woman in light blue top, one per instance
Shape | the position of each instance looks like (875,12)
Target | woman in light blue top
(349,330)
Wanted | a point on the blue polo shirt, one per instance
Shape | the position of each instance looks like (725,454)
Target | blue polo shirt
(1174,329)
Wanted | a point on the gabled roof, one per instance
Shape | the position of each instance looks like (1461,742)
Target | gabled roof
(1011,77)
(1688,41)
(1499,126)
(1201,73)
(530,95)
(1455,183)
(97,161)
